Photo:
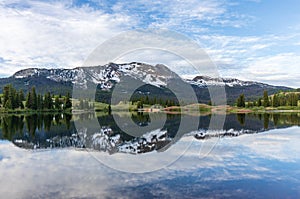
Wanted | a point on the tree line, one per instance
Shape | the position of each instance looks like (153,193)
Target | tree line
(153,101)
(15,99)
(277,100)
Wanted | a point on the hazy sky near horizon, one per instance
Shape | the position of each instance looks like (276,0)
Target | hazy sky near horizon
(247,39)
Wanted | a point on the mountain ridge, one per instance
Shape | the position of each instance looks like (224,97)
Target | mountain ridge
(106,76)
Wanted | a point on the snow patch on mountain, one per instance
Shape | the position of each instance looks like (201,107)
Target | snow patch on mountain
(105,76)
(108,75)
(204,81)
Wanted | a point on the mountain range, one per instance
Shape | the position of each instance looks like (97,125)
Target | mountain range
(155,79)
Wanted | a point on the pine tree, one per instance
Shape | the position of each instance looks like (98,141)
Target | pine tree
(48,103)
(57,103)
(6,93)
(275,101)
(16,100)
(147,100)
(8,104)
(266,99)
(45,105)
(68,103)
(21,95)
(259,102)
(11,98)
(294,99)
(241,101)
(270,101)
(28,101)
(39,104)
(282,100)
(34,99)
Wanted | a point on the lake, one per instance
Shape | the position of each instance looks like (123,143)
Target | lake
(142,155)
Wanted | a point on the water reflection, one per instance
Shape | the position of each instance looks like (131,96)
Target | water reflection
(262,166)
(58,130)
(241,118)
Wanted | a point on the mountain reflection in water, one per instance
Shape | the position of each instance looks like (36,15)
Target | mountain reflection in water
(47,131)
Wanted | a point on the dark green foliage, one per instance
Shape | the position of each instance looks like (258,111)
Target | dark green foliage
(292,99)
(8,104)
(241,101)
(21,95)
(140,104)
(57,103)
(31,101)
(266,101)
(44,85)
(276,101)
(279,99)
(34,99)
(250,104)
(259,102)
(48,102)
(28,101)
(153,101)
(67,102)
(40,102)
(6,93)
(11,99)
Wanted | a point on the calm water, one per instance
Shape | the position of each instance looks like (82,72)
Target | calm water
(84,156)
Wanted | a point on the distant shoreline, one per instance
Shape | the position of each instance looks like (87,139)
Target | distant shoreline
(194,109)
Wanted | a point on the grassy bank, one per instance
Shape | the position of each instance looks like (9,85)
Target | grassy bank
(262,109)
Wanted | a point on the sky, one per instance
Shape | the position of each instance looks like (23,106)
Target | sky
(255,40)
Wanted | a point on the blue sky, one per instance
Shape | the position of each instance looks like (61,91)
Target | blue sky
(247,39)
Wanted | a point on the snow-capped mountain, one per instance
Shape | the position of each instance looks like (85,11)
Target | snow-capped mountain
(158,77)
(204,81)
(104,76)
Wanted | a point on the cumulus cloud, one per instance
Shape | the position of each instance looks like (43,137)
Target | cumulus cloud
(64,33)
(282,69)
(266,58)
(52,34)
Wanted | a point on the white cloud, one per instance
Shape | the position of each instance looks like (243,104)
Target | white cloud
(53,34)
(266,58)
(59,34)
(193,16)
(280,68)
